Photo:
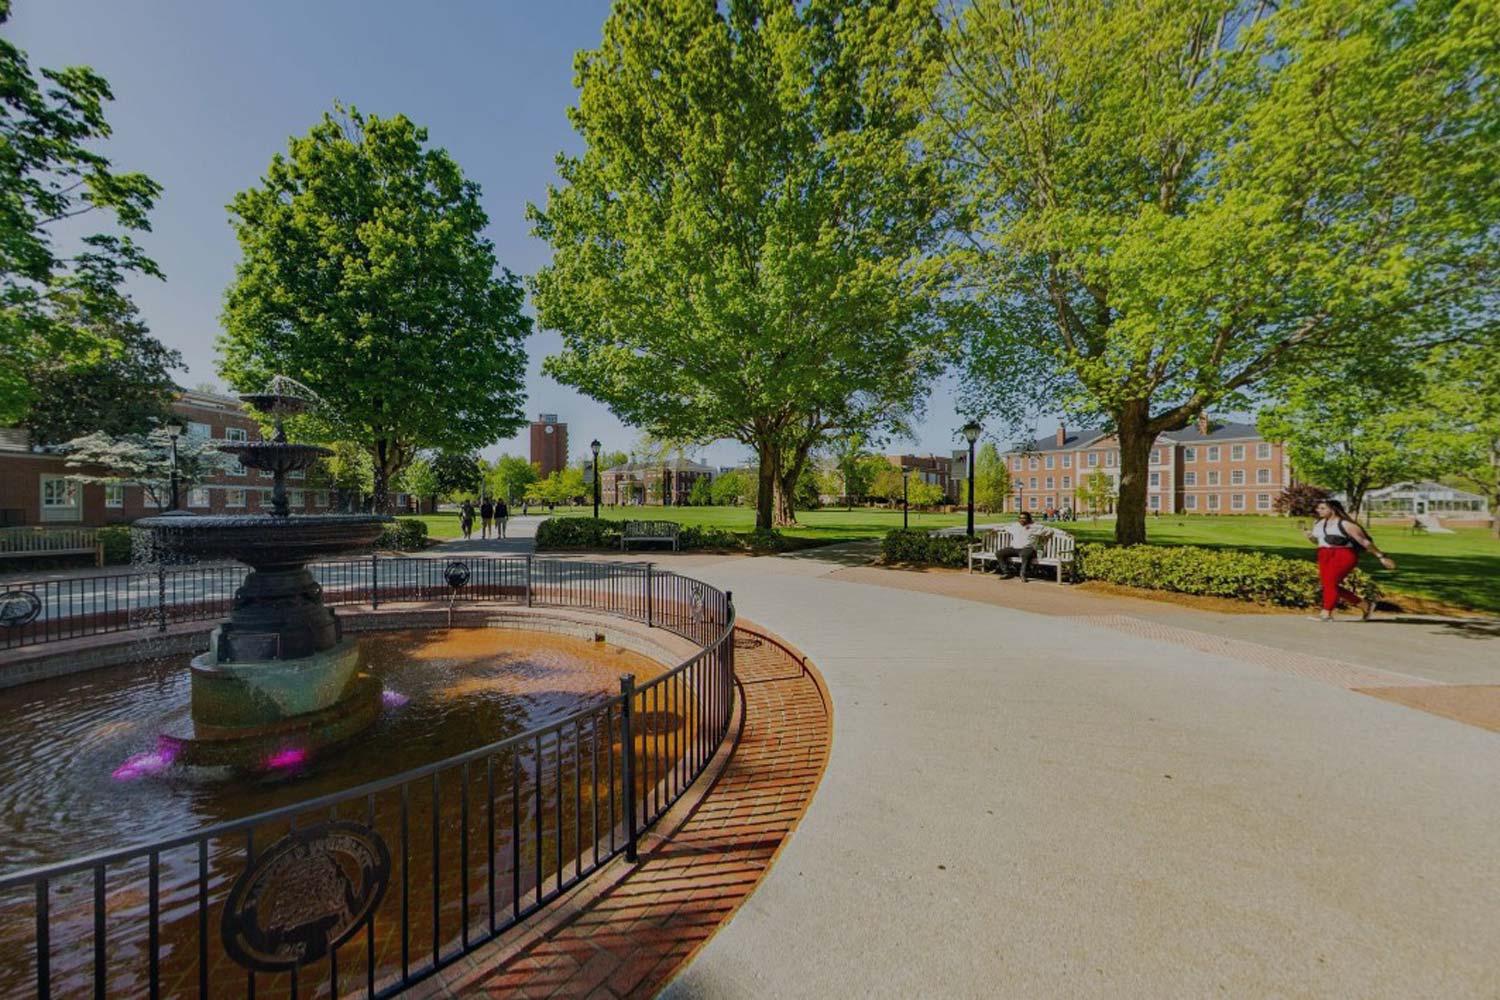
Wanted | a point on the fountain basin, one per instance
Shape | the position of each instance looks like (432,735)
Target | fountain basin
(258,540)
(265,692)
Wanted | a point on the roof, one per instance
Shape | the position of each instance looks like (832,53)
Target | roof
(1422,486)
(1074,439)
(1188,435)
(1216,432)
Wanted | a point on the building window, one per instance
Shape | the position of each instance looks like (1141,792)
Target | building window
(1052,501)
(1155,479)
(1019,465)
(1263,501)
(60,500)
(1109,459)
(1190,479)
(234,497)
(1237,501)
(197,429)
(1213,501)
(198,497)
(1093,460)
(320,498)
(264,497)
(114,494)
(1034,463)
(1263,450)
(1237,477)
(298,498)
(1263,476)
(1190,454)
(1213,477)
(1067,482)
(1213,453)
(1155,501)
(1155,456)
(236,434)
(1050,460)
(1067,461)
(1033,484)
(1049,482)
(1237,453)
(1031,502)
(297,474)
(1190,502)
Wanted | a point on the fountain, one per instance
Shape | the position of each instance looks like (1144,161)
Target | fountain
(278,674)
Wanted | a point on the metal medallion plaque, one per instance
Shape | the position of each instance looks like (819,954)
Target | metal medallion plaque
(18,608)
(305,895)
(457,574)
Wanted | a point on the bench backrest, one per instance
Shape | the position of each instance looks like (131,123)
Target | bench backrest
(1059,545)
(25,541)
(651,529)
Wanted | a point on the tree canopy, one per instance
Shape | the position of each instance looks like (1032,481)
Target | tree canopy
(739,251)
(145,460)
(1167,202)
(365,275)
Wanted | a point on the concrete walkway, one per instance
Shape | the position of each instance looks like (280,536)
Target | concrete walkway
(1025,804)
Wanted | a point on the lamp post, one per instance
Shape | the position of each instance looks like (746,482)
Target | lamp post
(971,434)
(905,478)
(594,447)
(173,430)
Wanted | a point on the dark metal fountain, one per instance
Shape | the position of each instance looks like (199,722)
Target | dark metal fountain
(278,671)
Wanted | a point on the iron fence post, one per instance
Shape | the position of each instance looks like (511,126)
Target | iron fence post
(161,598)
(374,580)
(627,764)
(650,605)
(528,579)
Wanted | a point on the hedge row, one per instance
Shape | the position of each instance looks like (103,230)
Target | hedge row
(406,534)
(1181,569)
(565,533)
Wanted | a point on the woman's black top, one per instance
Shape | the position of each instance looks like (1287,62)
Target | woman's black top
(486,510)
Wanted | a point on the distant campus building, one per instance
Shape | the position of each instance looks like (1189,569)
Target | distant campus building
(666,482)
(1212,468)
(549,444)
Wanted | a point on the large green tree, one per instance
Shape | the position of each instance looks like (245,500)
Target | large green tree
(458,474)
(1458,422)
(991,478)
(738,251)
(365,274)
(51,173)
(1171,200)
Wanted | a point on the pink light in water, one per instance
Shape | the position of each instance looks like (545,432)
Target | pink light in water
(143,765)
(393,699)
(287,758)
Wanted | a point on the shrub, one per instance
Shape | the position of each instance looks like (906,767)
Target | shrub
(405,534)
(695,537)
(918,548)
(767,540)
(117,541)
(577,533)
(1184,569)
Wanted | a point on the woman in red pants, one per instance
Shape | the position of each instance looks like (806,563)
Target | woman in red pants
(1340,540)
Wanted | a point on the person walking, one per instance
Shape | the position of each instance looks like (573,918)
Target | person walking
(466,518)
(1340,540)
(502,511)
(486,517)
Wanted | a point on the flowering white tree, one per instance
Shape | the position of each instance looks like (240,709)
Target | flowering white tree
(144,460)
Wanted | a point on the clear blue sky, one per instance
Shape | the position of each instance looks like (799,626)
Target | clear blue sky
(206,91)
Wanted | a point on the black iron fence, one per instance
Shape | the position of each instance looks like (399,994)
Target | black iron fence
(372,889)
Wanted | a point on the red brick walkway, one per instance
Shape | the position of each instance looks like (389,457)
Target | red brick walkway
(631,927)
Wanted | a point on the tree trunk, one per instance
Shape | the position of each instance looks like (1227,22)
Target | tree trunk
(1135,439)
(387,463)
(786,486)
(765,494)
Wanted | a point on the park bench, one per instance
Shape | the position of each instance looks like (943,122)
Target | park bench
(28,543)
(650,531)
(1056,550)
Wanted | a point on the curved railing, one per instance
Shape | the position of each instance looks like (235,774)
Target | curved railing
(376,888)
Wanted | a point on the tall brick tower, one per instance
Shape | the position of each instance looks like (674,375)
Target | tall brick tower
(549,443)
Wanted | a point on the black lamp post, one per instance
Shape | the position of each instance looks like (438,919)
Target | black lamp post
(594,447)
(971,434)
(173,430)
(905,478)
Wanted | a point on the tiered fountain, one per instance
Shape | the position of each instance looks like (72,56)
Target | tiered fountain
(278,676)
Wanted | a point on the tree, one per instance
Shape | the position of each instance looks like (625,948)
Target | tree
(1458,422)
(51,172)
(701,495)
(511,477)
(734,488)
(348,472)
(1097,493)
(419,479)
(886,483)
(144,460)
(738,251)
(458,474)
(1299,500)
(571,486)
(123,388)
(920,493)
(365,275)
(991,479)
(1168,202)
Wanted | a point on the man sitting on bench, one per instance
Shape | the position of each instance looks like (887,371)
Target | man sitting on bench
(1027,534)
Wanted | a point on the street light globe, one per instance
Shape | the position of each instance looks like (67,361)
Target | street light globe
(174,429)
(971,431)
(594,447)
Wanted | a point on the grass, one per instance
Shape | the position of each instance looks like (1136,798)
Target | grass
(1461,569)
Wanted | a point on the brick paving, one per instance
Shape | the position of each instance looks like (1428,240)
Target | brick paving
(630,928)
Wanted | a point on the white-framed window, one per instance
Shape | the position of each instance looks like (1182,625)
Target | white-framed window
(1093,460)
(1067,461)
(1049,482)
(320,498)
(1262,501)
(1263,476)
(1067,482)
(1109,459)
(267,474)
(1155,479)
(234,497)
(1213,501)
(297,474)
(1052,501)
(1033,482)
(1019,464)
(1236,453)
(1190,479)
(114,494)
(198,429)
(264,497)
(1263,450)
(60,499)
(298,498)
(1034,463)
(1190,502)
(1050,460)
(1155,501)
(1236,477)
(1031,502)
(198,496)
(236,434)
(1213,477)
(1213,453)
(1237,501)
(1155,456)
(1190,454)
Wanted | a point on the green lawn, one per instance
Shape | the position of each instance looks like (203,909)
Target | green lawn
(1461,569)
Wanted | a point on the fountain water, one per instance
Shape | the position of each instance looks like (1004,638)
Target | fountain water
(278,670)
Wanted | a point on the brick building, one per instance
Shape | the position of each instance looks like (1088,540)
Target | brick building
(939,470)
(37,488)
(1211,468)
(549,444)
(668,482)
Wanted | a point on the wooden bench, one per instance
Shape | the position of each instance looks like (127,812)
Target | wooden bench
(1056,550)
(27,543)
(650,531)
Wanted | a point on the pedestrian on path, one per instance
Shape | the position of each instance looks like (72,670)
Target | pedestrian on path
(1340,540)
(486,517)
(502,511)
(466,518)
